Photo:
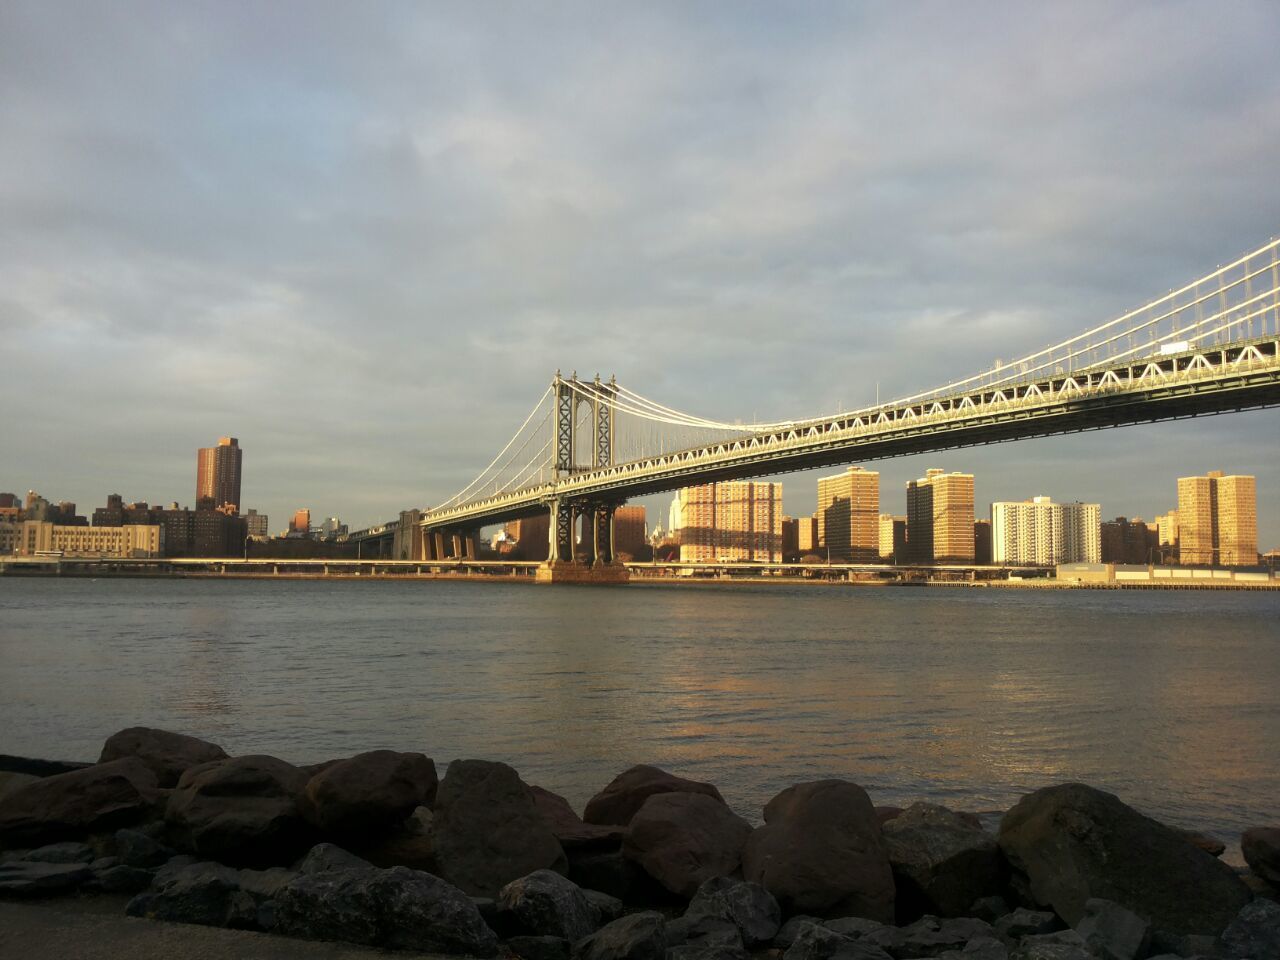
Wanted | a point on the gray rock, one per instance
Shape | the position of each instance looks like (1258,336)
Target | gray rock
(820,851)
(368,794)
(327,857)
(173,866)
(66,852)
(1012,927)
(859,950)
(855,927)
(104,863)
(11,780)
(1050,951)
(1067,938)
(788,932)
(1074,842)
(137,849)
(607,908)
(1261,849)
(639,936)
(1112,932)
(167,754)
(748,906)
(397,907)
(941,861)
(539,948)
(627,792)
(241,811)
(487,829)
(721,945)
(202,893)
(1254,933)
(69,805)
(35,878)
(931,936)
(683,839)
(612,873)
(979,948)
(989,909)
(122,878)
(814,942)
(263,885)
(545,904)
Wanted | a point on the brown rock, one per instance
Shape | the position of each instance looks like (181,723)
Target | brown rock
(1261,848)
(488,831)
(683,839)
(242,811)
(821,852)
(369,794)
(941,861)
(411,844)
(886,813)
(167,754)
(96,798)
(618,802)
(1210,845)
(569,829)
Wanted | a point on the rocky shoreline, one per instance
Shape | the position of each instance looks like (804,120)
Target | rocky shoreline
(376,849)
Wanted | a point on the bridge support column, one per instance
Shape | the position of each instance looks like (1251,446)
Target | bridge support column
(602,533)
(470,546)
(437,544)
(562,565)
(561,532)
(455,541)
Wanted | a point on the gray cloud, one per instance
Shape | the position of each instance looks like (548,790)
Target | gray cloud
(363,242)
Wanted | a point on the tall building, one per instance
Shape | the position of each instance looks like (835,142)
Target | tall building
(731,521)
(849,515)
(532,536)
(300,525)
(982,542)
(1218,520)
(630,530)
(893,538)
(940,518)
(807,535)
(1043,533)
(218,476)
(1129,541)
(256,525)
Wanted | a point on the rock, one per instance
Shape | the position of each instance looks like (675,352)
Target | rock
(723,944)
(748,906)
(886,813)
(990,908)
(167,754)
(122,878)
(137,849)
(539,948)
(607,908)
(409,844)
(1012,927)
(1074,842)
(397,907)
(979,948)
(639,936)
(328,858)
(202,893)
(32,766)
(487,830)
(242,811)
(1210,845)
(820,851)
(265,884)
(35,878)
(854,927)
(814,942)
(174,866)
(1261,849)
(941,862)
(788,932)
(568,827)
(928,936)
(1112,932)
(1050,951)
(69,851)
(611,872)
(11,781)
(369,794)
(1067,937)
(682,839)
(1254,932)
(69,805)
(626,793)
(546,904)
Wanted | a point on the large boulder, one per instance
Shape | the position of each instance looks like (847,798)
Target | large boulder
(242,811)
(101,797)
(1112,932)
(1261,849)
(10,781)
(820,851)
(204,893)
(626,793)
(748,906)
(1074,842)
(487,831)
(38,878)
(1254,932)
(682,839)
(570,829)
(639,936)
(545,904)
(168,754)
(399,908)
(941,862)
(370,794)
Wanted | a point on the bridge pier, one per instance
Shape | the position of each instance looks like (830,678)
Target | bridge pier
(564,565)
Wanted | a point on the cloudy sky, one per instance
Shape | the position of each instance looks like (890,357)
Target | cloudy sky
(362,238)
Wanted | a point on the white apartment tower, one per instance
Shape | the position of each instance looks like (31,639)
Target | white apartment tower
(1043,533)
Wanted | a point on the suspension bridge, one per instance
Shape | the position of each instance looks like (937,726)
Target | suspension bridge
(1209,347)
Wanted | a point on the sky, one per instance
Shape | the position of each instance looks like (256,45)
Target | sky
(363,238)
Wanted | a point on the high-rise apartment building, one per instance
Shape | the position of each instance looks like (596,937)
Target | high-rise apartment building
(300,525)
(256,525)
(1129,541)
(730,521)
(807,535)
(982,542)
(532,536)
(218,476)
(940,518)
(630,530)
(1043,533)
(1218,520)
(849,515)
(893,538)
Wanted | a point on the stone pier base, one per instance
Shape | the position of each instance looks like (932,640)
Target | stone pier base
(565,572)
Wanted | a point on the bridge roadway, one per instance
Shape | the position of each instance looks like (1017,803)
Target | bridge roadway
(1201,381)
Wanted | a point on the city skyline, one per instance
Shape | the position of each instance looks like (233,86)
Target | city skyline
(728,232)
